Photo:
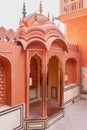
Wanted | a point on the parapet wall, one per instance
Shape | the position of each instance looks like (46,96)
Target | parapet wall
(72,47)
(7,35)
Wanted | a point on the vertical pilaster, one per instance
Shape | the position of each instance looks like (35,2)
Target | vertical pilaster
(58,97)
(27,86)
(62,88)
(39,68)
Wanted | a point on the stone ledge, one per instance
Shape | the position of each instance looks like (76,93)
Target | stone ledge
(41,124)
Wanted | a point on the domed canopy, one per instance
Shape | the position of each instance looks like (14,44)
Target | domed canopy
(37,26)
(40,19)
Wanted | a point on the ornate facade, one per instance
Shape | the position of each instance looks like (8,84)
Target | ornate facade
(38,67)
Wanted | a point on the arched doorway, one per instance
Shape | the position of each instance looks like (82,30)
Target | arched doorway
(35,86)
(70,71)
(5,81)
(54,80)
(35,77)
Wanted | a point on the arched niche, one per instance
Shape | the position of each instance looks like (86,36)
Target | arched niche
(5,81)
(70,71)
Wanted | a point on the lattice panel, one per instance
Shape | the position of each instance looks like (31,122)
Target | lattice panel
(2,88)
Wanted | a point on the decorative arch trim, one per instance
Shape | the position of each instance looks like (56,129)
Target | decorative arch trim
(36,39)
(36,53)
(56,57)
(51,40)
(31,41)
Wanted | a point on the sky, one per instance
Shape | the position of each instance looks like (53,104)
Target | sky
(11,10)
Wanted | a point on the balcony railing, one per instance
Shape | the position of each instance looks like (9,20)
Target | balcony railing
(74,6)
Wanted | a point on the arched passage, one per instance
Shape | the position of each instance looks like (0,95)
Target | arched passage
(70,71)
(54,78)
(5,81)
(35,86)
(35,75)
(36,92)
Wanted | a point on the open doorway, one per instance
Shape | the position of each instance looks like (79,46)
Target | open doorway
(54,85)
(35,87)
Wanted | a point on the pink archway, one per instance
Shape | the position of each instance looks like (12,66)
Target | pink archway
(5,81)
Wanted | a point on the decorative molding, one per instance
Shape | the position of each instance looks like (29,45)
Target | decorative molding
(72,99)
(71,87)
(56,55)
(71,93)
(11,112)
(32,124)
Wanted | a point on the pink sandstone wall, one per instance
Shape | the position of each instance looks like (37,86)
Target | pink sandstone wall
(20,75)
(16,85)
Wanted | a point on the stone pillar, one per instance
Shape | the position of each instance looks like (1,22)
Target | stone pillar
(49,85)
(38,89)
(58,87)
(62,88)
(39,67)
(44,86)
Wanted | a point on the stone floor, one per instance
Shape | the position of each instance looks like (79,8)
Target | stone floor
(75,117)
(36,109)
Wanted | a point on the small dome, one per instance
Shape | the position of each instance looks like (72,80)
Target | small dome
(41,19)
(38,27)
